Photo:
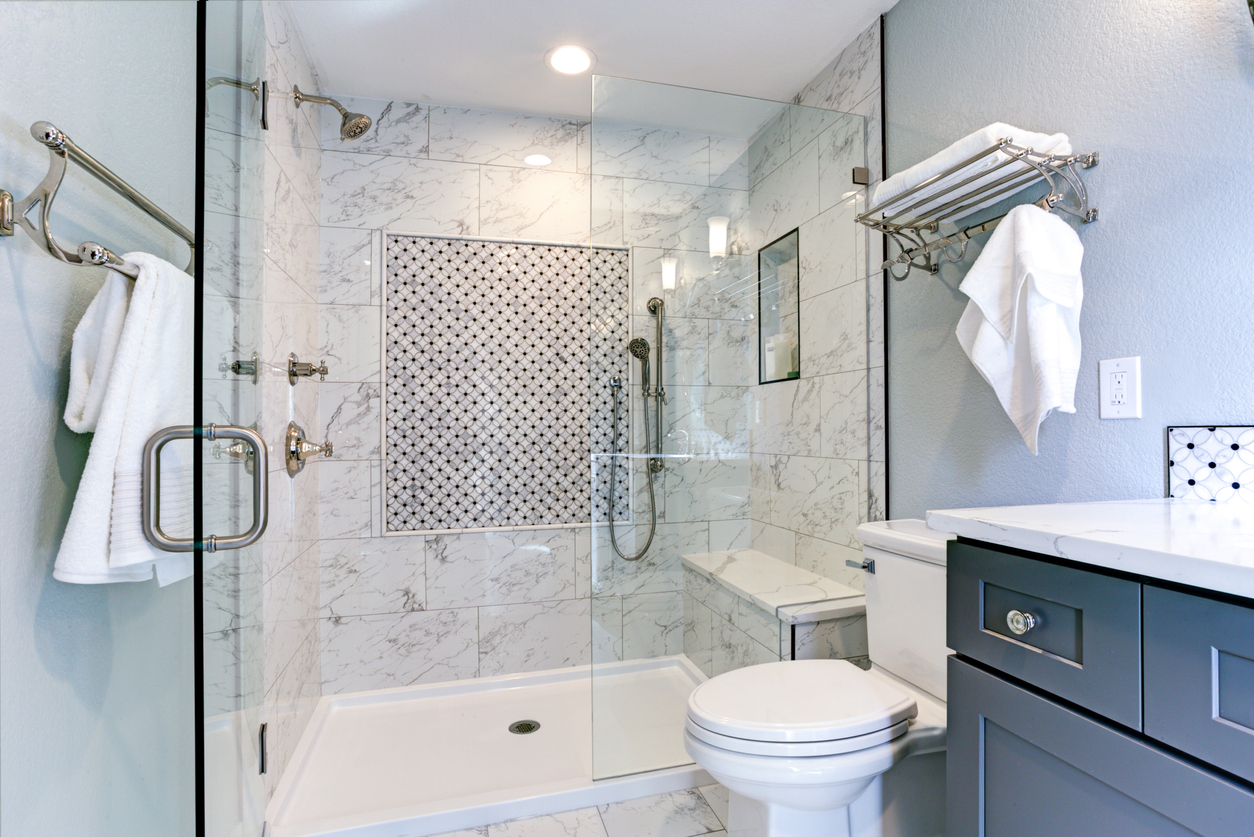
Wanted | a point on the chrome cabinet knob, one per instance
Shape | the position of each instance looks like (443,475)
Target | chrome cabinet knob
(1020,623)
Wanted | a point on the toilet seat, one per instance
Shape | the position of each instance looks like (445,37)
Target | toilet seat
(799,708)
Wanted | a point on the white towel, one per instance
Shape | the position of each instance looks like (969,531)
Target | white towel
(964,149)
(1021,328)
(130,375)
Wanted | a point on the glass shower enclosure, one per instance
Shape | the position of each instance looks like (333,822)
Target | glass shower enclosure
(687,186)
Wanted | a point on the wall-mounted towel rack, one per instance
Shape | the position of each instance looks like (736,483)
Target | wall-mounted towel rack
(61,150)
(970,186)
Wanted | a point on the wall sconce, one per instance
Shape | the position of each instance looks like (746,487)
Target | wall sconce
(669,264)
(718,236)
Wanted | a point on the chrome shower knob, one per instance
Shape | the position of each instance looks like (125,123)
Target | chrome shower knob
(1020,623)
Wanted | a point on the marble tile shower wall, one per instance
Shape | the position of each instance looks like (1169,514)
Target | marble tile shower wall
(818,442)
(401,610)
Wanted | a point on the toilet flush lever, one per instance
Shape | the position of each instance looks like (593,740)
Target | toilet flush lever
(867,565)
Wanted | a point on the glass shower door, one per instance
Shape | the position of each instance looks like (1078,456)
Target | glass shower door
(689,186)
(233,754)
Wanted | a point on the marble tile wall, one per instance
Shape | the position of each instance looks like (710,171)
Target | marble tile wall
(817,467)
(389,616)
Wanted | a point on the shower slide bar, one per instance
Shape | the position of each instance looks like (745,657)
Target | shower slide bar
(938,199)
(62,150)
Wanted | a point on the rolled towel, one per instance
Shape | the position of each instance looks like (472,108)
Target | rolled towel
(964,149)
(1021,328)
(130,375)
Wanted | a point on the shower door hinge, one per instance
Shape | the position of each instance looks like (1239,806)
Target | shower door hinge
(261,746)
(861,175)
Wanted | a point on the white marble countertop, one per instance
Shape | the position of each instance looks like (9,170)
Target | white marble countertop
(1198,543)
(793,594)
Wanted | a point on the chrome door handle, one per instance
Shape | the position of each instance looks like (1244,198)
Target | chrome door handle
(152,488)
(1020,622)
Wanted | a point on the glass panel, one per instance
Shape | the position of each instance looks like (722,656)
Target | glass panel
(692,184)
(234,793)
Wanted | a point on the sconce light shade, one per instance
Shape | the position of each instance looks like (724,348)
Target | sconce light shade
(669,264)
(718,236)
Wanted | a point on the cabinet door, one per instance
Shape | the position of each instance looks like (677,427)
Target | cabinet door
(1020,765)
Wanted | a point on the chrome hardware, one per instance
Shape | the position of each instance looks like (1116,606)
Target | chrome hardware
(236,450)
(973,184)
(62,151)
(296,369)
(1020,623)
(296,450)
(867,565)
(659,392)
(152,488)
(251,368)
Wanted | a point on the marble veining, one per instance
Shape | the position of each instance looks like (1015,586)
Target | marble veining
(650,154)
(766,581)
(1192,542)
(534,637)
(504,139)
(850,78)
(493,568)
(422,196)
(398,129)
(533,204)
(364,576)
(344,270)
(381,652)
(349,417)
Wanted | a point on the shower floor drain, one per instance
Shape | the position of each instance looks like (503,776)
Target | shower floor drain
(524,727)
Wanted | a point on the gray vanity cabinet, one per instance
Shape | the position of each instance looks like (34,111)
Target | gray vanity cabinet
(1045,724)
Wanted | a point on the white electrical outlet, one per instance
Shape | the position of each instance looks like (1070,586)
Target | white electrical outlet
(1119,388)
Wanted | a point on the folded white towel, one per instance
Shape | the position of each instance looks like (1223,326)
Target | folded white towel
(130,375)
(964,149)
(1021,328)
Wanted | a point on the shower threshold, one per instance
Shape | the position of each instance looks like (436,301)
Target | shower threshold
(423,760)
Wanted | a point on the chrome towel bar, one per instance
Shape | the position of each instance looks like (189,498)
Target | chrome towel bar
(906,218)
(61,150)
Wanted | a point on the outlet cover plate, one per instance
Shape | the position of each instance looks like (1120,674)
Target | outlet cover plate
(1119,388)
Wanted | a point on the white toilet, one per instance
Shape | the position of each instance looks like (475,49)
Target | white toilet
(822,748)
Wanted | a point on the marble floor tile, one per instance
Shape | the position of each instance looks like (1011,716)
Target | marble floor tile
(584,822)
(678,814)
(717,796)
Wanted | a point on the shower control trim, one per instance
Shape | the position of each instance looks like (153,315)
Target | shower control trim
(296,369)
(296,450)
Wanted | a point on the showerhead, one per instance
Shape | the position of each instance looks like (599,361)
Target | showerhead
(639,348)
(352,125)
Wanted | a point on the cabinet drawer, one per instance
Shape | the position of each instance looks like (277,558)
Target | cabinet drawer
(1199,678)
(1085,645)
(1020,765)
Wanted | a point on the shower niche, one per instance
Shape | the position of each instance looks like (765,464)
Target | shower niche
(779,310)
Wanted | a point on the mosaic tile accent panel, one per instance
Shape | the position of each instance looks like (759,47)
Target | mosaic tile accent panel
(611,330)
(1210,463)
(490,410)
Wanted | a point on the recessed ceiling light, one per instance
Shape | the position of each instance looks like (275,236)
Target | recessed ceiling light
(570,59)
(536,160)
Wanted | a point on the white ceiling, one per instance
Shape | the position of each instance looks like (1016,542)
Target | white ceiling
(490,53)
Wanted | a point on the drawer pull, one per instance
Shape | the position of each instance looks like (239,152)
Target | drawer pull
(1020,623)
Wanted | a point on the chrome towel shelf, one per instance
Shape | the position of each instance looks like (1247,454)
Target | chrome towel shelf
(61,150)
(912,218)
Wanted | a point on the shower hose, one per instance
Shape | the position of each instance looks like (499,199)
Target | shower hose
(618,390)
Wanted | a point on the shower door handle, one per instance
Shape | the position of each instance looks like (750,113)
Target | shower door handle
(152,487)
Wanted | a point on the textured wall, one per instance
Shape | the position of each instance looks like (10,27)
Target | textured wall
(95,681)
(1165,91)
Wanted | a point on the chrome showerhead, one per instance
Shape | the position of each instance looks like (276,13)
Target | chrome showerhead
(352,125)
(639,348)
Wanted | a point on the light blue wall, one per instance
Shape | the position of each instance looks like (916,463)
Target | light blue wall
(95,682)
(1165,91)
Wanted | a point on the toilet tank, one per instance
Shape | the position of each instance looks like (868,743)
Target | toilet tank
(905,601)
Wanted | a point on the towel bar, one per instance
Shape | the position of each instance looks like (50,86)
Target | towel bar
(916,211)
(61,150)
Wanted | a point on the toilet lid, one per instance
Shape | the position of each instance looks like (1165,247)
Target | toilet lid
(803,700)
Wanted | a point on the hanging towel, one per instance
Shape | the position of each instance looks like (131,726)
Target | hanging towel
(964,149)
(130,375)
(1021,328)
